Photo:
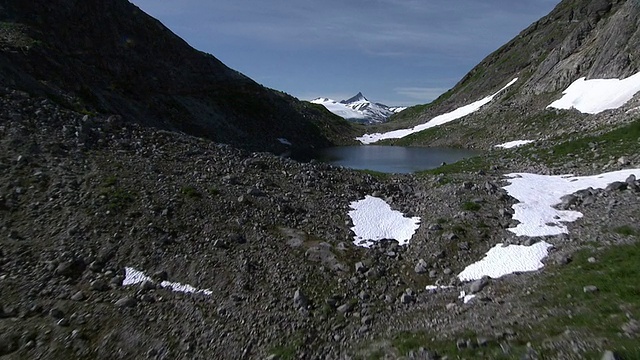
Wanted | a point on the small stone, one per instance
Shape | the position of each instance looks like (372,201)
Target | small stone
(421,267)
(632,328)
(367,320)
(361,267)
(99,285)
(344,308)
(592,260)
(610,355)
(616,186)
(147,285)
(461,344)
(407,299)
(299,299)
(63,322)
(79,296)
(433,273)
(478,285)
(590,289)
(95,266)
(623,161)
(482,341)
(126,302)
(631,179)
(160,275)
(56,313)
(448,271)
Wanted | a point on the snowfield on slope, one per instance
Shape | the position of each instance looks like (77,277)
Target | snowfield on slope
(133,277)
(538,194)
(513,144)
(504,260)
(374,220)
(597,95)
(436,121)
(339,109)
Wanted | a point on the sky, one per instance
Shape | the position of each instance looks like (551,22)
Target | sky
(397,52)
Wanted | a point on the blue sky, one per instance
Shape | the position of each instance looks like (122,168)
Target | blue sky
(398,52)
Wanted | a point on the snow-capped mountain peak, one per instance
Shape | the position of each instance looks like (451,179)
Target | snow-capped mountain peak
(356,99)
(358,108)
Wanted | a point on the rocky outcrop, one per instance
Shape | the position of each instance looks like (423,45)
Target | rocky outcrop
(579,38)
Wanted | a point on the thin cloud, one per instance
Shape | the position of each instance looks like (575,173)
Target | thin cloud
(424,94)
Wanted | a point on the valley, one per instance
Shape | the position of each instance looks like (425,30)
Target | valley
(150,211)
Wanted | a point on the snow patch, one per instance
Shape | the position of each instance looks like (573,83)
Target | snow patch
(466,298)
(538,194)
(597,95)
(436,121)
(374,220)
(133,277)
(513,144)
(284,141)
(503,260)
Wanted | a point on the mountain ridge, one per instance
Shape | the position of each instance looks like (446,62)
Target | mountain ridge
(137,68)
(597,39)
(359,109)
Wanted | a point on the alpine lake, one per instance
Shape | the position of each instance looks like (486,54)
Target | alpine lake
(392,159)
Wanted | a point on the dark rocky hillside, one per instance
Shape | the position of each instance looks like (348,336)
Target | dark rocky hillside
(579,38)
(110,57)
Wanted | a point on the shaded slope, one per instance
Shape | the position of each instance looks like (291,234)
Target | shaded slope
(116,59)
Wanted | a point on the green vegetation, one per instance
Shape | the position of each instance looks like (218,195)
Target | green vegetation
(601,147)
(471,206)
(601,313)
(472,164)
(191,192)
(116,196)
(376,174)
(626,230)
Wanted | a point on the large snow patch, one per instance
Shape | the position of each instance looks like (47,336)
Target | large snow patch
(538,194)
(436,121)
(374,220)
(503,260)
(597,95)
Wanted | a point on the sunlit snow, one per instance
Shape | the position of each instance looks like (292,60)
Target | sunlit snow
(436,121)
(537,194)
(513,144)
(597,95)
(466,298)
(503,260)
(339,109)
(374,220)
(133,277)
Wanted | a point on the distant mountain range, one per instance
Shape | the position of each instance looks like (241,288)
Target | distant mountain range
(359,109)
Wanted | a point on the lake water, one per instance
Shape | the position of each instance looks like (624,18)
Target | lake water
(392,159)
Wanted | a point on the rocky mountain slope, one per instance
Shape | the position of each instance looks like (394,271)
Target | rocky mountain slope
(248,255)
(359,109)
(592,39)
(134,66)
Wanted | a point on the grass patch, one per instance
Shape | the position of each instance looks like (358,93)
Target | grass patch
(615,143)
(600,314)
(376,174)
(471,206)
(116,196)
(472,164)
(191,192)
(626,230)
